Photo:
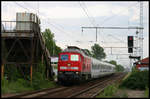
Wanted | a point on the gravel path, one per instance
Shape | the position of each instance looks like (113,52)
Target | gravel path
(129,93)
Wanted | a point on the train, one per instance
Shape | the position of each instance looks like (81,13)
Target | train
(74,65)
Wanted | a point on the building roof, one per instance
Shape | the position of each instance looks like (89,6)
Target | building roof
(144,61)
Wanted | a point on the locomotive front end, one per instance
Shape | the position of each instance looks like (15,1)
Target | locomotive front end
(69,67)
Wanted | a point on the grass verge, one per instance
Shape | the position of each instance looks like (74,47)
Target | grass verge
(19,84)
(147,92)
(108,91)
(22,85)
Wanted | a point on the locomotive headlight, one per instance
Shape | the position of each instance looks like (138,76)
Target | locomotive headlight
(69,64)
(77,72)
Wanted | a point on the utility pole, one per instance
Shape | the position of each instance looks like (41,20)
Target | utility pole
(130,64)
(96,34)
(53,48)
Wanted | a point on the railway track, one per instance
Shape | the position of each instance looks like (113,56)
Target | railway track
(85,90)
(37,93)
(94,90)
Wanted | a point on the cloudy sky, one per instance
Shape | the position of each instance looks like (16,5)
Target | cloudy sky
(65,20)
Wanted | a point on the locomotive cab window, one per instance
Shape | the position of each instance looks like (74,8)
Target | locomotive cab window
(74,57)
(64,57)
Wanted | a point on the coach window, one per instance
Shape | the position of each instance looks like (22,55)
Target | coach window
(74,57)
(64,57)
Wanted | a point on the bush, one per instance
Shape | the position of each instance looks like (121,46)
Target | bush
(14,86)
(110,90)
(4,84)
(137,80)
(18,84)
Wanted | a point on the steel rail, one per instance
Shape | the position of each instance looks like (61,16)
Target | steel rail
(29,94)
(92,87)
(94,95)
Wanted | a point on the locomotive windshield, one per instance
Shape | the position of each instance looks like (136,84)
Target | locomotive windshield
(74,57)
(64,57)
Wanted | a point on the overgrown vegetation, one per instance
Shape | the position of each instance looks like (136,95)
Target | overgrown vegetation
(136,80)
(39,78)
(109,91)
(15,86)
(20,84)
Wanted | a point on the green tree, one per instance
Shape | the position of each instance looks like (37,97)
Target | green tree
(58,50)
(50,43)
(118,67)
(113,62)
(98,52)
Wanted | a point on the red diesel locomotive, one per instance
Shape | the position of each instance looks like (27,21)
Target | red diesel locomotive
(74,65)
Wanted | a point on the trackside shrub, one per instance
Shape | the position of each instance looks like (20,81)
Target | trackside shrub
(137,80)
(19,84)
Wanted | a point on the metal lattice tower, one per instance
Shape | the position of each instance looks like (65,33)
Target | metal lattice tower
(139,34)
(141,31)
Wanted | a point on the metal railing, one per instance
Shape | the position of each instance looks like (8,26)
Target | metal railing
(19,27)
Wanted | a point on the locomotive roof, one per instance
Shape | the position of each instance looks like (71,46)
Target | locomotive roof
(74,49)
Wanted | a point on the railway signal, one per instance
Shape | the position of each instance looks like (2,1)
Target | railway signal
(130,44)
(130,50)
(130,41)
